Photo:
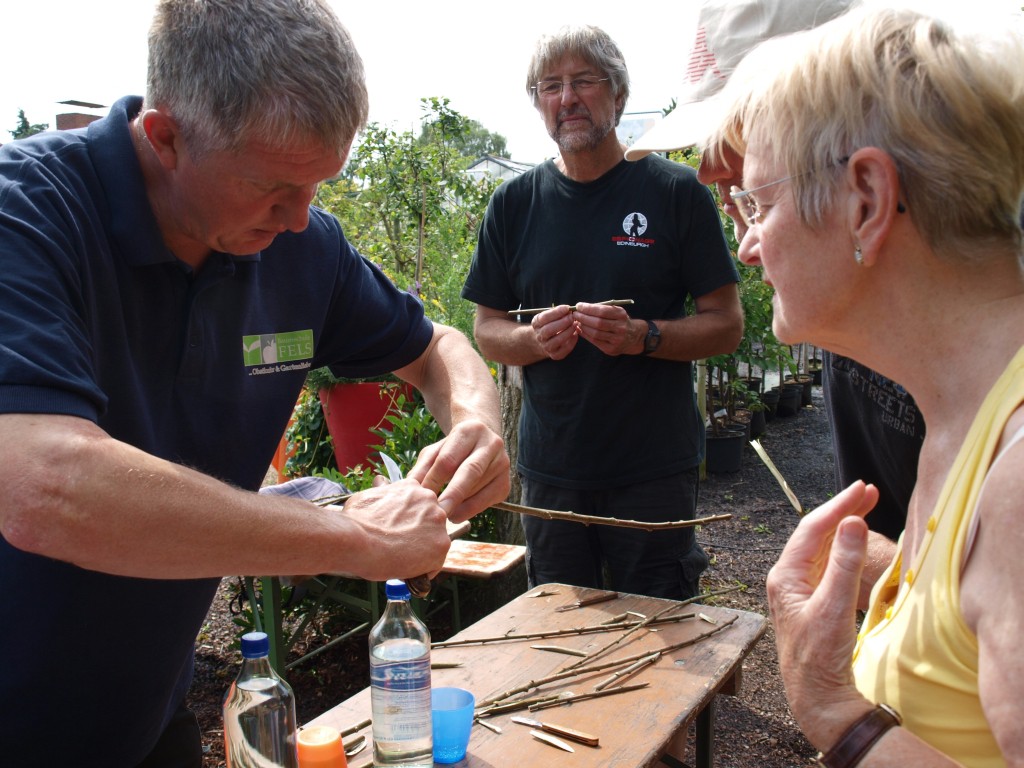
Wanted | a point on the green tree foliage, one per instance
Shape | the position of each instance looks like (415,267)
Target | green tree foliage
(25,128)
(472,143)
(407,204)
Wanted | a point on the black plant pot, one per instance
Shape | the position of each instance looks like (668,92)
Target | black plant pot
(753,383)
(814,368)
(758,424)
(790,397)
(724,451)
(805,381)
(770,398)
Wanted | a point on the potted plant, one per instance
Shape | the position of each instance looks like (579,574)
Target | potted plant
(353,408)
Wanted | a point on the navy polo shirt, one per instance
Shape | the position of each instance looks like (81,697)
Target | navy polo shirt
(99,320)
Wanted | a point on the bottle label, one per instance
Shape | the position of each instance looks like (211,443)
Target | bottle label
(401,675)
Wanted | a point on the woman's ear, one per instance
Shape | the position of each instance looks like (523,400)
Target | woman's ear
(873,185)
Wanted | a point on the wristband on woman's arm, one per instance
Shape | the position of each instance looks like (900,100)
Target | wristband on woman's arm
(855,742)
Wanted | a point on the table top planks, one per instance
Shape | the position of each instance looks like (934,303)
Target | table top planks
(635,727)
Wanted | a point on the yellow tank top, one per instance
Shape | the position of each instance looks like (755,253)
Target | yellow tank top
(914,651)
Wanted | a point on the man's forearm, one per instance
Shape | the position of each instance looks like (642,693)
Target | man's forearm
(85,498)
(455,381)
(508,342)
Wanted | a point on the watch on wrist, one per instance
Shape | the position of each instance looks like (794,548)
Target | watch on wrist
(855,742)
(653,338)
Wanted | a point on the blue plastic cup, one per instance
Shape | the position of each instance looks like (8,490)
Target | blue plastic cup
(452,712)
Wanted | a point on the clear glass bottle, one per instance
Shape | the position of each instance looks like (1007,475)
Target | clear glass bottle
(400,684)
(259,712)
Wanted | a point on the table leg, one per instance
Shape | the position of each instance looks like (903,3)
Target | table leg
(705,735)
(704,741)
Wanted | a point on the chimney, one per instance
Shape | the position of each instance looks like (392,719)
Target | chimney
(70,120)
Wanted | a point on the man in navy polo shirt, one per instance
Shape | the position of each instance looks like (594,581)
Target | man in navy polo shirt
(164,287)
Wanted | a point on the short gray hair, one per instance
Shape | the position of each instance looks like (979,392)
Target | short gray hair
(592,45)
(230,71)
(948,110)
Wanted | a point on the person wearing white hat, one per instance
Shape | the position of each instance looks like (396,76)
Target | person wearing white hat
(876,428)
(609,423)
(884,168)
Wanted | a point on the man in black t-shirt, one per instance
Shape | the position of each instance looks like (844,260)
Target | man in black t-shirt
(610,424)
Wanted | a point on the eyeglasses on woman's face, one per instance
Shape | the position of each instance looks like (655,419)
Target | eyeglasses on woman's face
(750,210)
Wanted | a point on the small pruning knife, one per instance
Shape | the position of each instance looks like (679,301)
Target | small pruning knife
(587,601)
(394,471)
(419,586)
(551,740)
(558,730)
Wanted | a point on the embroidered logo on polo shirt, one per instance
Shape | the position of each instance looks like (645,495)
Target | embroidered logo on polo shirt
(634,225)
(275,352)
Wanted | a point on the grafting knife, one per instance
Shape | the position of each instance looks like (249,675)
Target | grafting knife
(558,730)
(551,740)
(587,601)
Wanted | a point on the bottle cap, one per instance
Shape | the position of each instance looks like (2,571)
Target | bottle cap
(255,644)
(396,589)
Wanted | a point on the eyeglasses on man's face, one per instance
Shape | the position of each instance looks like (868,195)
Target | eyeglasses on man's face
(550,89)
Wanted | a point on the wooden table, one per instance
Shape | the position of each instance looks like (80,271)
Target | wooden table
(636,728)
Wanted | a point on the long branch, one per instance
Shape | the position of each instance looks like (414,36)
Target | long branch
(554,700)
(584,630)
(562,701)
(571,517)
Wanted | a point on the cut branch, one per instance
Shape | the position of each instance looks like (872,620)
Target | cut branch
(538,310)
(632,669)
(570,517)
(584,630)
(562,701)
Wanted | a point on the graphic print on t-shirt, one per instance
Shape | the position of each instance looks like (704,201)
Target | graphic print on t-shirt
(634,225)
(272,348)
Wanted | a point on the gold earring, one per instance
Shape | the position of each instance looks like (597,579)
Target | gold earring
(858,256)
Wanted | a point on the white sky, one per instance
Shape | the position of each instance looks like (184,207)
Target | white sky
(474,53)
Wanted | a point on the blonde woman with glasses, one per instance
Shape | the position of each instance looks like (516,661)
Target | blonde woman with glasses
(883,171)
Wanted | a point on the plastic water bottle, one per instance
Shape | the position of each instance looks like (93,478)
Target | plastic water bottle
(400,684)
(259,712)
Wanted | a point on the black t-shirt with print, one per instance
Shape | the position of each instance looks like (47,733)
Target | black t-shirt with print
(646,231)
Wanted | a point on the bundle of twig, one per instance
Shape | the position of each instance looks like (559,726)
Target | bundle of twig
(592,668)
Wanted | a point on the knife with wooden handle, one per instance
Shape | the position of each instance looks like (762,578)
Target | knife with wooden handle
(559,730)
(585,601)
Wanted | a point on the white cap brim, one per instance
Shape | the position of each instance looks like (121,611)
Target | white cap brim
(687,125)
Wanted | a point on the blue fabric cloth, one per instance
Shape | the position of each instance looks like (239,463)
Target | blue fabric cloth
(308,488)
(99,320)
